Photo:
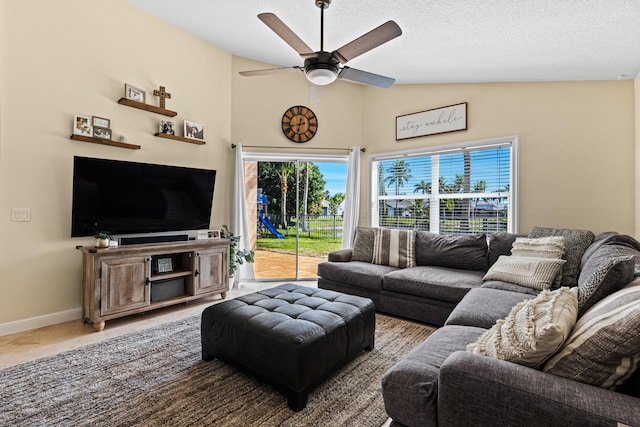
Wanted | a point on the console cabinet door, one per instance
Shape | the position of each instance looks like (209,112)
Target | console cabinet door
(124,284)
(211,274)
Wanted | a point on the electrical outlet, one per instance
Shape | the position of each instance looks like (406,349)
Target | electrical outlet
(21,214)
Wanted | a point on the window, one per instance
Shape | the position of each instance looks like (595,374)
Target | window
(459,189)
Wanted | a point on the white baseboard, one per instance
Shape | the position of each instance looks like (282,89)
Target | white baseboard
(39,321)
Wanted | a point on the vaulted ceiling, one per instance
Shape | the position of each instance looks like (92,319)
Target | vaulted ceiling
(443,41)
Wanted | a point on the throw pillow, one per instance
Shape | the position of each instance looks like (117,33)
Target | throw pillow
(466,252)
(604,273)
(536,273)
(534,329)
(500,244)
(363,244)
(604,347)
(576,243)
(541,247)
(395,248)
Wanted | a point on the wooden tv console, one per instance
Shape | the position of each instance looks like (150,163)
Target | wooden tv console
(132,279)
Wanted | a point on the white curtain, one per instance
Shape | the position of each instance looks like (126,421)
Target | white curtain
(352,199)
(239,222)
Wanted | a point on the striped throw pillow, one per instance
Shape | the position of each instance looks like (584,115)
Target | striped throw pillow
(395,248)
(536,273)
(604,346)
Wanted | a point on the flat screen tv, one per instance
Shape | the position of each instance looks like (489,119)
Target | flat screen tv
(119,197)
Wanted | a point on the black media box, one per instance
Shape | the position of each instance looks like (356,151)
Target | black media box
(170,288)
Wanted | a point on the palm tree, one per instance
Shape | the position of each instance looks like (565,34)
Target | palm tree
(286,169)
(422,187)
(400,173)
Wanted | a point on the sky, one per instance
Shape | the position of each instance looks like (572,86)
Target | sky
(335,176)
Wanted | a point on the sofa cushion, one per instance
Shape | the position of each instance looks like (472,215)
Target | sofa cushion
(440,283)
(576,243)
(363,244)
(466,252)
(410,387)
(512,287)
(533,330)
(500,243)
(604,347)
(394,247)
(356,273)
(536,273)
(625,245)
(483,307)
(603,274)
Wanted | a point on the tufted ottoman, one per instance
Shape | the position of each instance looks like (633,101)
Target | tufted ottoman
(291,336)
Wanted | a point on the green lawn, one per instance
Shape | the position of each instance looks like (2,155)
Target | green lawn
(307,246)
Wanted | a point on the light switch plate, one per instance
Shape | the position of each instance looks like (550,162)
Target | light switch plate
(21,214)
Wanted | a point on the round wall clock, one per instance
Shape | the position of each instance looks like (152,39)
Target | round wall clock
(299,124)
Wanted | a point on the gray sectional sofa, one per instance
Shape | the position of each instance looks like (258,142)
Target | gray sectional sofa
(442,383)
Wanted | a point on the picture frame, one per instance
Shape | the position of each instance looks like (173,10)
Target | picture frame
(451,118)
(209,234)
(133,93)
(193,130)
(100,132)
(81,125)
(166,127)
(100,122)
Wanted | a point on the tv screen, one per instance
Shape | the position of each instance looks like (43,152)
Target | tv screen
(119,197)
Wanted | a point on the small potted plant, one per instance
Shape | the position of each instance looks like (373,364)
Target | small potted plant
(237,257)
(101,240)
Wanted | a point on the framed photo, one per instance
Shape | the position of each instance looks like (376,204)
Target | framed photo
(164,265)
(133,93)
(166,127)
(100,122)
(81,125)
(193,130)
(430,122)
(103,133)
(208,234)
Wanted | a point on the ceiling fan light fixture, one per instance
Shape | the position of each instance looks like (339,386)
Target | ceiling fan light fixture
(321,74)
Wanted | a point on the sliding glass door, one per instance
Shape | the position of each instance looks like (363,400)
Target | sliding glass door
(297,211)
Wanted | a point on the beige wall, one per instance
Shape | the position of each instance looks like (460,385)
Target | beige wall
(73,57)
(576,143)
(577,140)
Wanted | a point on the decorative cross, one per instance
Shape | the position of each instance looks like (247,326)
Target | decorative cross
(162,93)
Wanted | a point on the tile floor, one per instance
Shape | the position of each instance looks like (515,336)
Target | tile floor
(30,345)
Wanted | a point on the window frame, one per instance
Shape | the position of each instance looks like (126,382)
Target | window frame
(510,141)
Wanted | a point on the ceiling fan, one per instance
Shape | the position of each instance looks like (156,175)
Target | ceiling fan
(322,67)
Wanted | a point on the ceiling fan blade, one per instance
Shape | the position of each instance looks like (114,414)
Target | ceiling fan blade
(365,77)
(374,38)
(315,93)
(269,71)
(285,33)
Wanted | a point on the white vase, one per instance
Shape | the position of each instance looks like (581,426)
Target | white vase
(101,243)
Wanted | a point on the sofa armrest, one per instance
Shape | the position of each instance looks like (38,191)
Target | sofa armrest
(343,255)
(482,391)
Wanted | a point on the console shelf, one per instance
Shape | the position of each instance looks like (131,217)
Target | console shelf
(132,279)
(147,107)
(103,141)
(180,138)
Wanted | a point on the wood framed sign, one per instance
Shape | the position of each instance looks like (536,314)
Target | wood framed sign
(451,118)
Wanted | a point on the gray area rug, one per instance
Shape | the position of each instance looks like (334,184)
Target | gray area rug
(156,377)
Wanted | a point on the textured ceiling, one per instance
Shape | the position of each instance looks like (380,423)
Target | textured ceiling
(443,41)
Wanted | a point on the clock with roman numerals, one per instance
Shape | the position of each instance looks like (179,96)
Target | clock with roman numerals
(299,124)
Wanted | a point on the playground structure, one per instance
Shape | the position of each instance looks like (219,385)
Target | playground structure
(263,217)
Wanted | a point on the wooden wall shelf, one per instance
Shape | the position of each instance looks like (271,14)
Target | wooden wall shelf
(104,142)
(180,138)
(147,107)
